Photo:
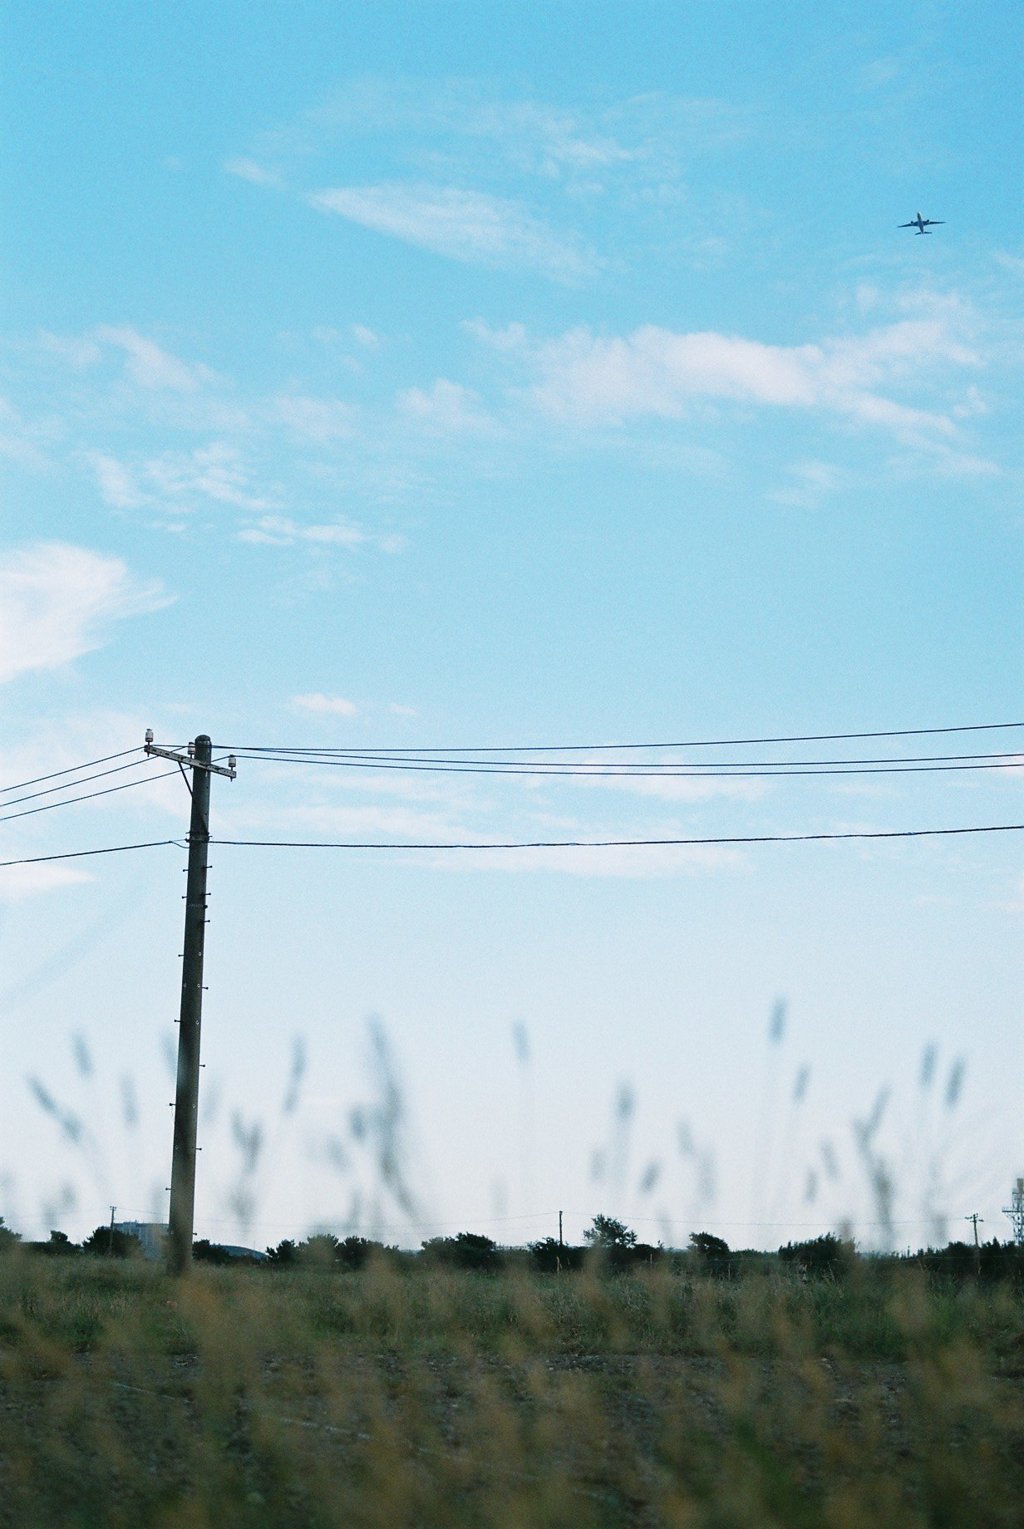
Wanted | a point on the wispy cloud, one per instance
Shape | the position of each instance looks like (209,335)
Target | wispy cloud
(637,141)
(879,73)
(58,601)
(674,788)
(473,227)
(388,821)
(280,531)
(321,705)
(549,141)
(18,882)
(368,338)
(76,351)
(149,365)
(596,380)
(809,483)
(447,408)
(464,816)
(619,861)
(24,441)
(176,481)
(251,170)
(315,419)
(117,484)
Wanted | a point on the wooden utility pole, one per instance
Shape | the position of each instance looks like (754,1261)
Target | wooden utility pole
(199,761)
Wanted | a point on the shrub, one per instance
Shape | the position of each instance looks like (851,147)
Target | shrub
(469,1250)
(549,1256)
(827,1256)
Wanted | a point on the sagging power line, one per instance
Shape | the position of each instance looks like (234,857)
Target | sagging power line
(516,844)
(89,764)
(89,796)
(693,743)
(724,770)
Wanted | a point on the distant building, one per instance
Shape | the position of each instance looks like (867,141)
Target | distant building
(151,1234)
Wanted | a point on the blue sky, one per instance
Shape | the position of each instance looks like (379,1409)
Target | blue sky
(448,374)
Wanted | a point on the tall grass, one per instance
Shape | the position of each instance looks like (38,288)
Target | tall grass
(428,1397)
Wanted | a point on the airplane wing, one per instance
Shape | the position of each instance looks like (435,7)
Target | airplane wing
(911,224)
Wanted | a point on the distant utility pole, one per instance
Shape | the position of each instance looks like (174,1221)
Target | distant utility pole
(199,762)
(975,1218)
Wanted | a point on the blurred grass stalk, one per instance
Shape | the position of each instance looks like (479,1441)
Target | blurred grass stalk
(416,1395)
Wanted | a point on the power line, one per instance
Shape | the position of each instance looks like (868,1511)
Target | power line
(906,833)
(720,771)
(83,780)
(341,758)
(699,743)
(900,833)
(71,770)
(69,801)
(78,854)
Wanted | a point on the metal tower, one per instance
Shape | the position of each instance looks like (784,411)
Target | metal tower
(1015,1211)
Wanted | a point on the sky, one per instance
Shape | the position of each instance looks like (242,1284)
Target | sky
(462,376)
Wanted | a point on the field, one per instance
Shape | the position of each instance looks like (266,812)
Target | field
(427,1397)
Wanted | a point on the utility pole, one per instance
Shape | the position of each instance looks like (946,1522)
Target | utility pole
(561,1244)
(199,762)
(975,1218)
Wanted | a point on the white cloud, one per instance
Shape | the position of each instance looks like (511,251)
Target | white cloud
(18,882)
(374,822)
(325,705)
(57,601)
(117,483)
(621,861)
(809,483)
(366,337)
(633,145)
(880,72)
(76,351)
(657,372)
(214,472)
(280,531)
(447,408)
(548,140)
(674,788)
(316,419)
(511,338)
(252,170)
(21,441)
(469,226)
(150,366)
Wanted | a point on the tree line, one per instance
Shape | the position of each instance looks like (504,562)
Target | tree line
(608,1245)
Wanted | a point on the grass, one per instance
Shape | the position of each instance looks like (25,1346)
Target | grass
(429,1397)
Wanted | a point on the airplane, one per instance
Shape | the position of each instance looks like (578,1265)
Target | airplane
(921,224)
